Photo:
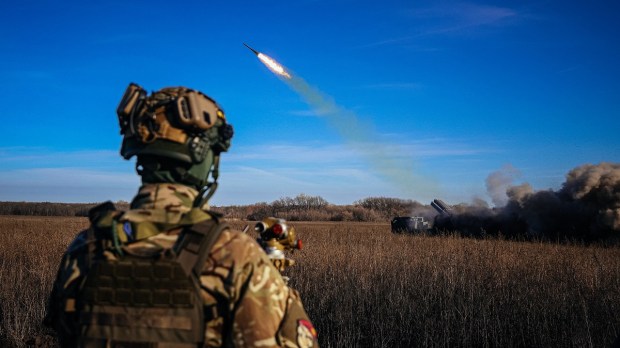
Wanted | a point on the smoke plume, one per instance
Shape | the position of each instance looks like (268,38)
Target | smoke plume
(586,207)
(498,182)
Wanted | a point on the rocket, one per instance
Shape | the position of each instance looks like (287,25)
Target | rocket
(274,66)
(251,49)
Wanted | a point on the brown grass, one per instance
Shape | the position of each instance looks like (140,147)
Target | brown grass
(30,250)
(364,286)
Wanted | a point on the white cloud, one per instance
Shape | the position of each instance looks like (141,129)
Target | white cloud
(242,184)
(450,18)
(66,185)
(464,13)
(292,153)
(38,157)
(313,153)
(338,172)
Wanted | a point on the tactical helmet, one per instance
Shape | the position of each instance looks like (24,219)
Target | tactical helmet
(176,133)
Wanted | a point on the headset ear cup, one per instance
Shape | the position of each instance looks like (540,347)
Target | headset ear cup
(225,133)
(130,104)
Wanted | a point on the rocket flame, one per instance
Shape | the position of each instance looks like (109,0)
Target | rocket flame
(273,65)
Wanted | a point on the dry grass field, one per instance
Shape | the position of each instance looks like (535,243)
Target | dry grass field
(365,287)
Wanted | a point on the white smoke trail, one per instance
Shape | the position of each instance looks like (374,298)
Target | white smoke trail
(384,158)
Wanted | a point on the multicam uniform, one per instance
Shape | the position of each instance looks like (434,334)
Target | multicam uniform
(259,309)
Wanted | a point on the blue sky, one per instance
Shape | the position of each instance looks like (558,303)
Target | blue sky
(443,93)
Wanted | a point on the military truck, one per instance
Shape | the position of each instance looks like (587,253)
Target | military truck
(409,224)
(417,224)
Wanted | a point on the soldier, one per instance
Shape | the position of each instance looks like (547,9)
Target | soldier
(168,272)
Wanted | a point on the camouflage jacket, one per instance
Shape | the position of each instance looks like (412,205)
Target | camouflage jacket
(259,309)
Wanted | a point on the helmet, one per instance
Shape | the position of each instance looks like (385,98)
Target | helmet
(176,133)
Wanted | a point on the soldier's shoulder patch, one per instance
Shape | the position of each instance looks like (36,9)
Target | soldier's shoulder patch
(306,334)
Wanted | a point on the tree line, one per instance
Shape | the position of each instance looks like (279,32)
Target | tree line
(51,209)
(315,208)
(465,220)
(299,208)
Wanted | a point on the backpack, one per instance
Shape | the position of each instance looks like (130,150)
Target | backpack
(148,299)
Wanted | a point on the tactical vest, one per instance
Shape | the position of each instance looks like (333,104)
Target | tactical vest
(146,300)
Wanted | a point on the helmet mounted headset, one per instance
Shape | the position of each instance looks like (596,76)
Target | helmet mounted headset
(177,135)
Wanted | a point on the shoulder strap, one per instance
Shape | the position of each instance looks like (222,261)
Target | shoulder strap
(195,244)
(98,211)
